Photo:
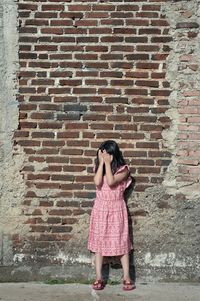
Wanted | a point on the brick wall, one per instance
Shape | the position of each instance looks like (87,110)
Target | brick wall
(89,71)
(83,72)
(188,104)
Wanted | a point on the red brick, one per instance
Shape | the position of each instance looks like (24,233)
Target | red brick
(101,126)
(52,30)
(52,7)
(84,90)
(96,82)
(128,7)
(113,22)
(138,110)
(84,179)
(147,83)
(77,143)
(47,185)
(103,7)
(151,7)
(83,161)
(71,152)
(142,100)
(126,127)
(47,151)
(27,6)
(137,74)
(87,39)
(187,25)
(42,135)
(108,91)
(149,145)
(96,48)
(137,22)
(161,39)
(108,135)
(122,82)
(102,108)
(119,118)
(148,170)
(147,65)
(120,100)
(160,92)
(54,168)
(56,159)
(136,91)
(147,14)
(79,8)
(111,39)
(27,124)
(149,31)
(62,23)
(61,229)
(61,74)
(123,30)
(115,74)
(96,15)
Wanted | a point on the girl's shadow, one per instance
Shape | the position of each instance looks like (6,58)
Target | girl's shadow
(114,262)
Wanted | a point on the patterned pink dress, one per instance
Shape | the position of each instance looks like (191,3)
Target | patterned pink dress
(108,232)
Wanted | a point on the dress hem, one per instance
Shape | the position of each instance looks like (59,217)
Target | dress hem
(113,254)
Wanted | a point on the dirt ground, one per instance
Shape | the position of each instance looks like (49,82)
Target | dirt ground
(81,292)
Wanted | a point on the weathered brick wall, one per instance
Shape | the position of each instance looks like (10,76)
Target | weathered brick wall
(88,72)
(96,70)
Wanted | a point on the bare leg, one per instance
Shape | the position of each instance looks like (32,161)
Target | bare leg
(98,265)
(125,266)
(127,283)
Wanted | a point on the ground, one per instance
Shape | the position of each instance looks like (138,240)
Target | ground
(81,292)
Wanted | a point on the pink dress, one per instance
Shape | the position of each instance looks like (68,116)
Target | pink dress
(109,231)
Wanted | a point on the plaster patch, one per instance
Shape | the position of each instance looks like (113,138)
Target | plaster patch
(18,257)
(169,260)
(160,260)
(63,258)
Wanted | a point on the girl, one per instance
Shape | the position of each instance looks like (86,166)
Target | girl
(108,233)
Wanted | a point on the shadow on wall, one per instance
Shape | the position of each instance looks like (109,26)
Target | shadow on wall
(114,262)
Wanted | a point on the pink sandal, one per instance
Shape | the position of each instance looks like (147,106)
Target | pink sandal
(128,285)
(98,285)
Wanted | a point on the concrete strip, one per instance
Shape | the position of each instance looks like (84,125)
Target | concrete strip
(74,292)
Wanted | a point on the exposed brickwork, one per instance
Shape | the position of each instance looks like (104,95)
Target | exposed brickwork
(89,71)
(188,104)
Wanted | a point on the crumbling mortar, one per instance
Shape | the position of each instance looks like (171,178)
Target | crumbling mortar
(176,76)
(12,184)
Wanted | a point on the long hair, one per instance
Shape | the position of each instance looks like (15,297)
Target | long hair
(112,148)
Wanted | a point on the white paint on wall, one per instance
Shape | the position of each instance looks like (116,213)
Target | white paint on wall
(18,257)
(63,258)
(168,260)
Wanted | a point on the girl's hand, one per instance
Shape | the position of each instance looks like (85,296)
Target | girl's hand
(100,157)
(107,157)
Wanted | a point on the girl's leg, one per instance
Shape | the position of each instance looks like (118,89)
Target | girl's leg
(125,266)
(128,284)
(98,283)
(98,265)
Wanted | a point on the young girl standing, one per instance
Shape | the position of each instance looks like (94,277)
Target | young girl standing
(108,233)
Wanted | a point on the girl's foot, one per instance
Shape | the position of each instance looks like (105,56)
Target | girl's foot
(98,285)
(128,285)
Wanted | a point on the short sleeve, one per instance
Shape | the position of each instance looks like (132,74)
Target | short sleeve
(129,179)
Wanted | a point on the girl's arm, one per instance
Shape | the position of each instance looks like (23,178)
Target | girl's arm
(113,179)
(99,174)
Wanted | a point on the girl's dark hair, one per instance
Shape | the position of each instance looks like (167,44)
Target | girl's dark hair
(112,148)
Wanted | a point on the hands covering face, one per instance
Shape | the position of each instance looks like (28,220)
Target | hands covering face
(104,157)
